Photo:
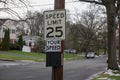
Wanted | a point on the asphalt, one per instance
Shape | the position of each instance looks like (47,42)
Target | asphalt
(2,52)
(73,70)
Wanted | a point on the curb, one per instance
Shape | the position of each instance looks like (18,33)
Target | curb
(10,60)
(7,60)
(94,75)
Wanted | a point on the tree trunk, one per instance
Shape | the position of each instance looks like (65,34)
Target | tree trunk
(118,11)
(111,15)
(119,43)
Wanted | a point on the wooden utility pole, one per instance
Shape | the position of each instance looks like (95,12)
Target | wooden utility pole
(59,4)
(57,72)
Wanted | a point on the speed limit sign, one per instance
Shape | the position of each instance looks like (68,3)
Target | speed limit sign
(54,24)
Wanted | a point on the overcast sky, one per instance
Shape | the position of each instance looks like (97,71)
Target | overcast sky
(41,5)
(49,4)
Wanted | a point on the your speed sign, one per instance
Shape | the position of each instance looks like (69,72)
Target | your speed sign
(54,22)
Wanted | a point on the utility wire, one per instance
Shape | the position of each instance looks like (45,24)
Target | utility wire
(43,4)
(52,4)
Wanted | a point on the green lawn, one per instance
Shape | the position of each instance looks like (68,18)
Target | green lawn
(68,56)
(19,55)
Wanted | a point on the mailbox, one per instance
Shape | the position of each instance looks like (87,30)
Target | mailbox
(53,59)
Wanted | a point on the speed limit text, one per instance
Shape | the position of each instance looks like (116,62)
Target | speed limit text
(54,19)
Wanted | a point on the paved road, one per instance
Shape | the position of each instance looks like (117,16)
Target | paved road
(73,70)
(82,70)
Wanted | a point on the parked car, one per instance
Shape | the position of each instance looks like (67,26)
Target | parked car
(90,55)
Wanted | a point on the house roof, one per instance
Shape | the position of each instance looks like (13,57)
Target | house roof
(33,38)
(9,24)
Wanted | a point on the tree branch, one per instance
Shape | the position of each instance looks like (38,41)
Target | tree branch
(23,3)
(1,1)
(93,1)
(2,21)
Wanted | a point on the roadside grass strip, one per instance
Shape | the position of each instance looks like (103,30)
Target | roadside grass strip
(68,57)
(19,55)
(108,75)
(32,56)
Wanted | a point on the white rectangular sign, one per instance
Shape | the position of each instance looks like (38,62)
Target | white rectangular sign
(54,22)
(53,45)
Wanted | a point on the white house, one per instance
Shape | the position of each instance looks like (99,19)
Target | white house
(8,24)
(30,41)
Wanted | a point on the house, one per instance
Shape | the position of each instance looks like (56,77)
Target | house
(8,24)
(30,41)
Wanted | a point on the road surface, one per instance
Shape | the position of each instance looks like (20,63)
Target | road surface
(73,70)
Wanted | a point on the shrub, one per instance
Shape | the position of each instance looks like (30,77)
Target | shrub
(6,40)
(40,46)
(14,47)
(21,42)
(0,46)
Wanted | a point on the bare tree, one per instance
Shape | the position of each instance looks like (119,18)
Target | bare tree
(8,6)
(21,27)
(111,10)
(88,24)
(35,23)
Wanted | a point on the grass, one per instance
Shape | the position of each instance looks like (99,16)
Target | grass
(68,56)
(104,76)
(19,55)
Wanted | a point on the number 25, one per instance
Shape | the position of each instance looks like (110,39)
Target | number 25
(56,30)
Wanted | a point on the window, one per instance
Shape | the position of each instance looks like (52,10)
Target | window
(4,29)
(13,31)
